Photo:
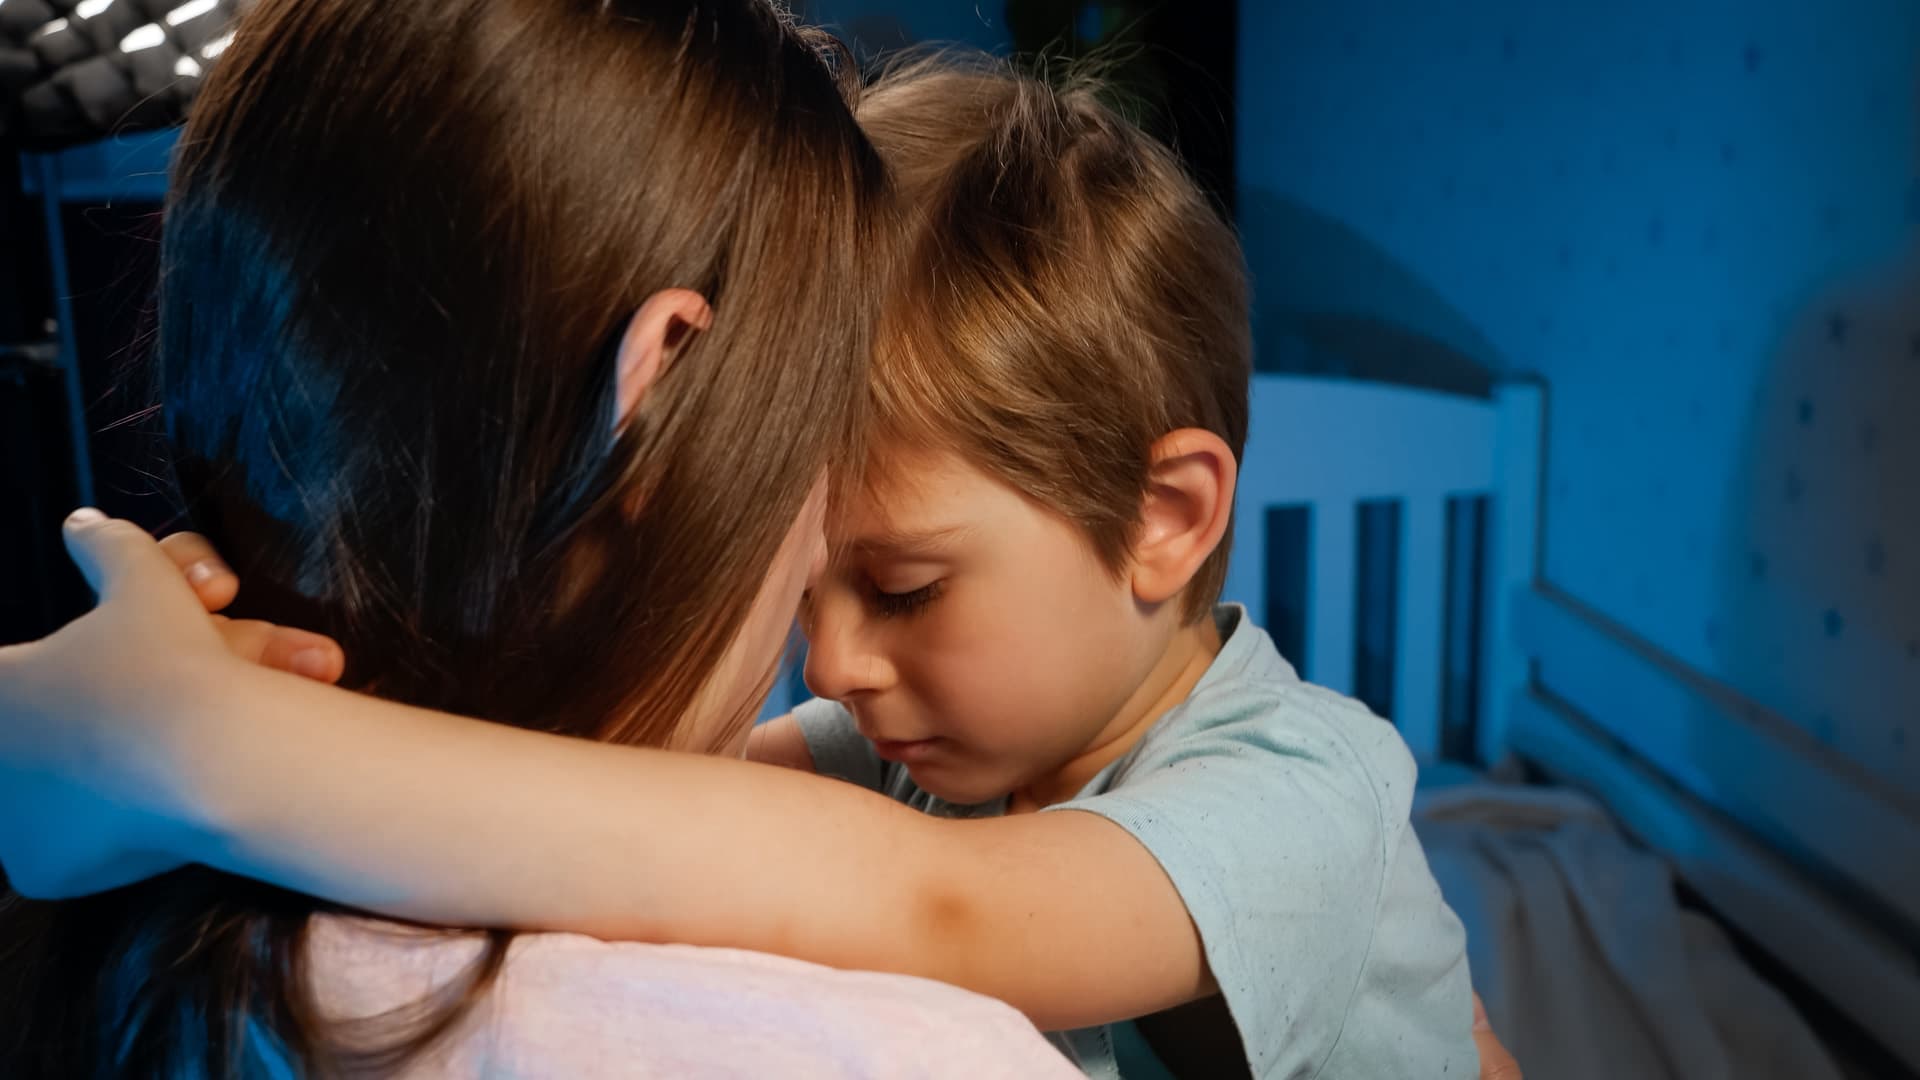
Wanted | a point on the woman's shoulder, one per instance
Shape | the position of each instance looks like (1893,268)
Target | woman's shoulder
(570,1005)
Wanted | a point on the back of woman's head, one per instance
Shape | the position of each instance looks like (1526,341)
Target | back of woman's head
(402,240)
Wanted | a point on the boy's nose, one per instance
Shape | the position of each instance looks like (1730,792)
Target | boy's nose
(840,663)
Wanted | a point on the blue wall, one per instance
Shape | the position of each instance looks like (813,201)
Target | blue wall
(1698,223)
(874,25)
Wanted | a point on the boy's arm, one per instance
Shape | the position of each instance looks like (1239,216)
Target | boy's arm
(132,738)
(780,742)
(432,817)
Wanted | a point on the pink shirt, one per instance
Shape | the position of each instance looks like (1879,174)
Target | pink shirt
(571,1006)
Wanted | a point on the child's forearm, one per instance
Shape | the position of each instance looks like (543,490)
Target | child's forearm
(780,742)
(444,820)
(133,737)
(438,818)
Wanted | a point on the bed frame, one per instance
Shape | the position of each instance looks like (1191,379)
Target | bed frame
(1805,853)
(1460,475)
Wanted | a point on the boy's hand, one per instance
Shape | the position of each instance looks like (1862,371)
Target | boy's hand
(286,649)
(1496,1062)
(91,795)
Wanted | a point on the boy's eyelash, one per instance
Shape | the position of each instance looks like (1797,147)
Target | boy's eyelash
(901,605)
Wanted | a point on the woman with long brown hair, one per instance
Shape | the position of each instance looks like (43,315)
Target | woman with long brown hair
(507,343)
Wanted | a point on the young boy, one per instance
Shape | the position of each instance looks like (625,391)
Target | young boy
(1020,617)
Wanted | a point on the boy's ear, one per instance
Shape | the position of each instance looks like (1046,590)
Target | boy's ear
(656,333)
(1185,513)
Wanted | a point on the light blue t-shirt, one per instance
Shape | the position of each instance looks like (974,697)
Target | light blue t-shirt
(1280,811)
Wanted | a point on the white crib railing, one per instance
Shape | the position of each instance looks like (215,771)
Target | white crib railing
(1331,445)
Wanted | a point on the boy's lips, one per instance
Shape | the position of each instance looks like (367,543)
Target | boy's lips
(905,751)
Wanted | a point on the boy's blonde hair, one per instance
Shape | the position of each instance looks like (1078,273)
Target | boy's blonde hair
(1068,297)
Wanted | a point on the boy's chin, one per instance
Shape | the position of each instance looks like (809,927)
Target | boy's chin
(955,786)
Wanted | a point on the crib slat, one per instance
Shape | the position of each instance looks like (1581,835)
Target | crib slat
(1513,558)
(1247,569)
(1330,607)
(1422,624)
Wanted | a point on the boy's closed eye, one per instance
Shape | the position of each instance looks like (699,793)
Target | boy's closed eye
(889,603)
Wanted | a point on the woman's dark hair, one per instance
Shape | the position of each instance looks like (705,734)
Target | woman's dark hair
(401,239)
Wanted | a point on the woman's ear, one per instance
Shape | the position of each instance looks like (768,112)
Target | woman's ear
(655,334)
(1185,513)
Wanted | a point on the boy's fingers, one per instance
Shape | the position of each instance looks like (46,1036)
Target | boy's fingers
(283,648)
(212,581)
(118,556)
(1496,1062)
